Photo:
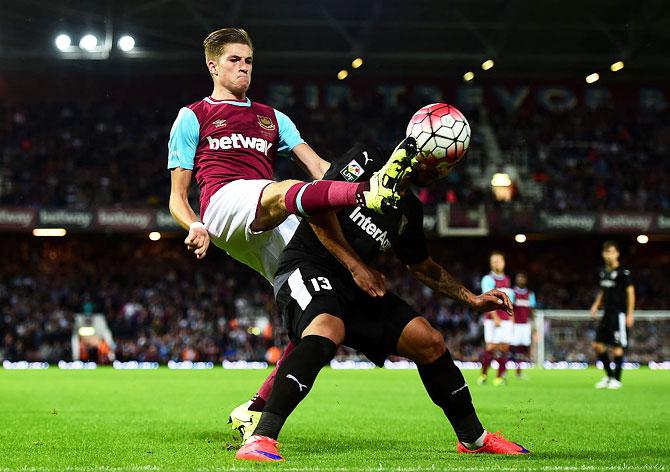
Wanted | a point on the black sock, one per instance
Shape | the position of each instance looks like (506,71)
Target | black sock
(618,361)
(295,377)
(447,388)
(605,359)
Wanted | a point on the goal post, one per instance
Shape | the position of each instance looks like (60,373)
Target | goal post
(566,335)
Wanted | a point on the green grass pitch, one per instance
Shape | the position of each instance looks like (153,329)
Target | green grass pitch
(163,420)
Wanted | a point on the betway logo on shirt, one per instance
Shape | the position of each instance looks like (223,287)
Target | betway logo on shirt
(238,141)
(365,223)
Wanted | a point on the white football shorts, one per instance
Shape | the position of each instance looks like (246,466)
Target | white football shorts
(502,334)
(228,219)
(521,334)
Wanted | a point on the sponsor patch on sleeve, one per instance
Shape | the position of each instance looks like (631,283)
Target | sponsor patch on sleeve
(352,171)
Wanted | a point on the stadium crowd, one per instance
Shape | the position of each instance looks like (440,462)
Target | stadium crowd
(592,159)
(80,154)
(161,304)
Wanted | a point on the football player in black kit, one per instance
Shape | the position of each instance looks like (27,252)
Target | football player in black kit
(322,308)
(617,297)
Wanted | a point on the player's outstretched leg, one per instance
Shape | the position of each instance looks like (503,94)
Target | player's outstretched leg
(385,184)
(379,194)
(293,197)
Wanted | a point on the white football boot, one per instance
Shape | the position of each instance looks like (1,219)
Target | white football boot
(604,382)
(614,384)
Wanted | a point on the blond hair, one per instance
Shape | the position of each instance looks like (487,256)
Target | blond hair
(216,41)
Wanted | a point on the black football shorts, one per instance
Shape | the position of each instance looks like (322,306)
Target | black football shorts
(373,325)
(612,330)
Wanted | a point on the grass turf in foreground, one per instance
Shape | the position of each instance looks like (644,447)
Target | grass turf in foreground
(376,420)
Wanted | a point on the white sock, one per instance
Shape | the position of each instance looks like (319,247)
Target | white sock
(478,443)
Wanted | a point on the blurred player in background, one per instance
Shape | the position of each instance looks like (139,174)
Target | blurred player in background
(617,297)
(322,309)
(524,304)
(498,324)
(230,143)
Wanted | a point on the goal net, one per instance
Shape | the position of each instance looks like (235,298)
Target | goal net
(567,336)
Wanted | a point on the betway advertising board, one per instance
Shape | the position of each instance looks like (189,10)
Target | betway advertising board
(440,221)
(107,219)
(606,222)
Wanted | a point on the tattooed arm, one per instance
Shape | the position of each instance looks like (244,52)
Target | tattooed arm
(434,276)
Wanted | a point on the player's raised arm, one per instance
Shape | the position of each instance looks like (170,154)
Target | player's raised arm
(436,277)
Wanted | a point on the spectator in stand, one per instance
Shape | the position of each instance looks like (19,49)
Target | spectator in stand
(155,313)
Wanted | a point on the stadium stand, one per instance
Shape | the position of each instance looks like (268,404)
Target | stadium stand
(583,159)
(172,307)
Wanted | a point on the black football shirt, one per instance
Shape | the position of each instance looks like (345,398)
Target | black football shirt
(369,233)
(614,283)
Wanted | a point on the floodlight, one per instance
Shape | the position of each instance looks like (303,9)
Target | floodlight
(63,42)
(591,78)
(88,42)
(126,43)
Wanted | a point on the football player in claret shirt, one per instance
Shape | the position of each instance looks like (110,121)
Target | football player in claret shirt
(322,308)
(498,324)
(524,304)
(229,142)
(617,298)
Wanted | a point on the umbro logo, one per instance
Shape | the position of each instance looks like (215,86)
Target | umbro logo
(219,123)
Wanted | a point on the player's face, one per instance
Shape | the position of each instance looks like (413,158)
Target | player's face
(233,69)
(497,263)
(611,255)
(521,280)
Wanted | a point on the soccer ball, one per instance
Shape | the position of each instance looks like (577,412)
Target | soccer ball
(442,135)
